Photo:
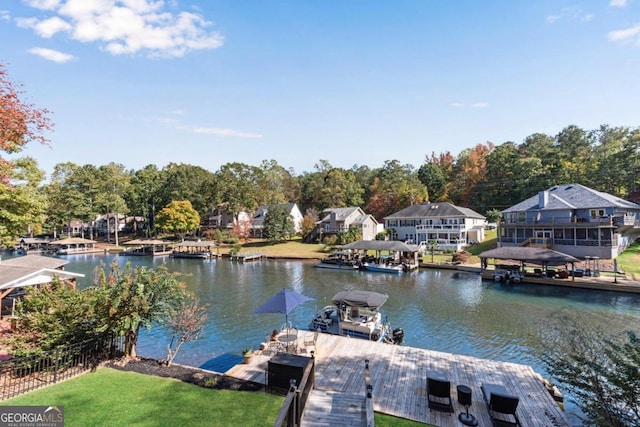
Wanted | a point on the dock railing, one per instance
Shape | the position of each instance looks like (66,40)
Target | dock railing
(290,414)
(369,395)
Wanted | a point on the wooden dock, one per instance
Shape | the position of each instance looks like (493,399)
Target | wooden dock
(246,257)
(398,375)
(601,283)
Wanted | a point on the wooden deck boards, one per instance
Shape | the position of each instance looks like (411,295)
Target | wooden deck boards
(398,375)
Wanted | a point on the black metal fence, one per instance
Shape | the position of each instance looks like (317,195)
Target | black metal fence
(23,374)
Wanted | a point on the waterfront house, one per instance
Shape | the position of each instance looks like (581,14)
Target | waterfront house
(572,219)
(339,220)
(107,223)
(30,270)
(292,209)
(449,226)
(222,218)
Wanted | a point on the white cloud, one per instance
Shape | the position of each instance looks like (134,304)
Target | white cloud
(552,18)
(618,3)
(572,13)
(46,28)
(51,55)
(4,15)
(627,35)
(456,104)
(480,105)
(43,4)
(225,133)
(125,26)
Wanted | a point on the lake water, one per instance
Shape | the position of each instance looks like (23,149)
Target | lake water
(439,310)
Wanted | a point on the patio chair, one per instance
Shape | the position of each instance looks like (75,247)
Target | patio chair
(309,343)
(439,394)
(501,405)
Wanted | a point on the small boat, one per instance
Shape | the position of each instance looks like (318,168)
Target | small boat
(383,268)
(356,314)
(338,262)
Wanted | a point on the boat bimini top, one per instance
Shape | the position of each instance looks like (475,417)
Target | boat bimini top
(371,300)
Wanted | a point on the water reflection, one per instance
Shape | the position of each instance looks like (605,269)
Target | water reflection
(446,311)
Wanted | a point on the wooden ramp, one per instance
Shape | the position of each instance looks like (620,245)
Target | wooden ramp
(329,408)
(398,375)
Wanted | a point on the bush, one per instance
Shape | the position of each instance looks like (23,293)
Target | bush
(461,257)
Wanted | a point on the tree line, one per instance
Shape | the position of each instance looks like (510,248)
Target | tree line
(486,178)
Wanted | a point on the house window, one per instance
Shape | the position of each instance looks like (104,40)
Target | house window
(522,217)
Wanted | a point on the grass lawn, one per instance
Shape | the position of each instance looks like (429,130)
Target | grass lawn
(629,261)
(291,249)
(109,397)
(112,398)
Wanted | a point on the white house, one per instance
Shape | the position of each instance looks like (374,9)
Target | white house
(338,220)
(257,223)
(572,219)
(451,227)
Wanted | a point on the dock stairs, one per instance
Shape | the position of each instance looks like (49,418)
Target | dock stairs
(330,408)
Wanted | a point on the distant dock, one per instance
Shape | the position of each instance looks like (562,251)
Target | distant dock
(247,257)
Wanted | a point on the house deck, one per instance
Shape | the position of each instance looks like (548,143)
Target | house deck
(399,373)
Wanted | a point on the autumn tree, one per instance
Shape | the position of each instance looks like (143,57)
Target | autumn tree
(178,217)
(133,298)
(186,324)
(394,187)
(242,228)
(20,123)
(309,221)
(470,169)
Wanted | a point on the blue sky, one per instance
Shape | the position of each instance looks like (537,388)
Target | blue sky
(353,82)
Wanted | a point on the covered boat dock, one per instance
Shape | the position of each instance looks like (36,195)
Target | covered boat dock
(397,252)
(542,257)
(154,247)
(74,245)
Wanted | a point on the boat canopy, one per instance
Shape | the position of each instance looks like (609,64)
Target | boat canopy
(532,255)
(372,300)
(381,245)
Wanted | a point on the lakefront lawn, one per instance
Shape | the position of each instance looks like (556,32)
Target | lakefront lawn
(109,397)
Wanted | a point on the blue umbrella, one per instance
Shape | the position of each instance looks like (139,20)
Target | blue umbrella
(283,302)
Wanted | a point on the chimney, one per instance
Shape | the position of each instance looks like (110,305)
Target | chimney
(543,199)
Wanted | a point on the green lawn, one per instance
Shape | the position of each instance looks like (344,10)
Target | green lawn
(629,261)
(112,398)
